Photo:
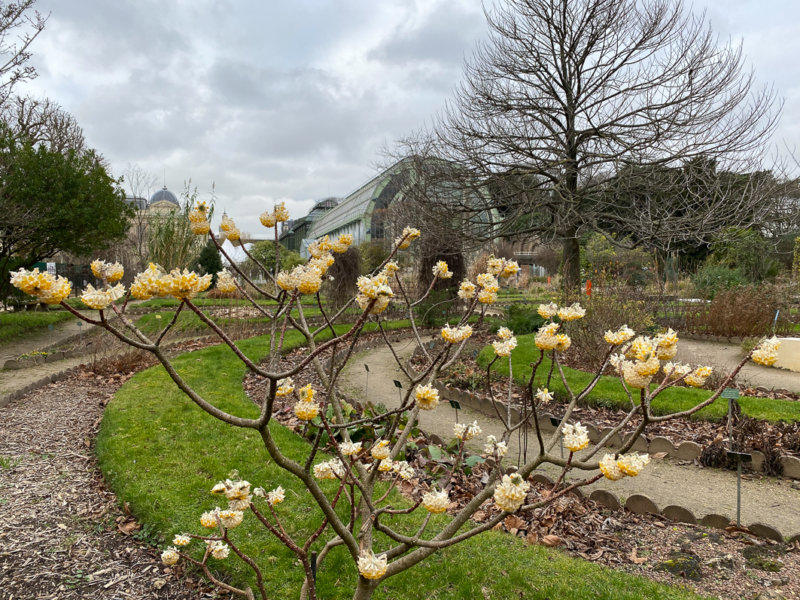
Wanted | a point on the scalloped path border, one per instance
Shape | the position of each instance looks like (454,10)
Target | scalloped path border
(665,483)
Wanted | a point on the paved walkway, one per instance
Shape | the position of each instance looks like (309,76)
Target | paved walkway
(723,356)
(703,491)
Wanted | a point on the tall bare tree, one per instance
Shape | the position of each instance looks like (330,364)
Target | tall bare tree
(572,103)
(20,24)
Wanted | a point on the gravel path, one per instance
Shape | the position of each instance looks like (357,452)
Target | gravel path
(723,356)
(703,491)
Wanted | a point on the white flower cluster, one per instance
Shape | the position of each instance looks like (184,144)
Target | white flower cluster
(506,343)
(229,229)
(330,469)
(371,566)
(510,493)
(409,235)
(436,502)
(441,270)
(427,397)
(615,468)
(226,283)
(466,432)
(493,447)
(101,299)
(543,395)
(766,353)
(547,338)
(109,272)
(576,437)
(454,335)
(350,448)
(620,336)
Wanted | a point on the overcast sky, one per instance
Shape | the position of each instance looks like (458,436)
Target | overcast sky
(294,100)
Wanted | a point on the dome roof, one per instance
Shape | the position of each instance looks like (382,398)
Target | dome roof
(164,194)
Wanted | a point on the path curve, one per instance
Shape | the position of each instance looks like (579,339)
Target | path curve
(702,490)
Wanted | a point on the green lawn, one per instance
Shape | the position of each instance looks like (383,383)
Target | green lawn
(161,455)
(16,325)
(609,392)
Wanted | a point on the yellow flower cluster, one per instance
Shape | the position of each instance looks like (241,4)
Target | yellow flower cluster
(620,336)
(146,284)
(170,556)
(279,214)
(226,283)
(466,290)
(427,397)
(409,235)
(436,502)
(342,243)
(441,270)
(371,566)
(766,353)
(306,279)
(109,272)
(380,450)
(576,437)
(571,313)
(198,219)
(391,268)
(697,378)
(615,468)
(375,288)
(547,311)
(385,465)
(285,387)
(230,519)
(228,227)
(236,491)
(676,370)
(466,432)
(506,343)
(101,299)
(547,338)
(510,493)
(47,288)
(181,540)
(183,284)
(454,335)
(306,409)
(502,267)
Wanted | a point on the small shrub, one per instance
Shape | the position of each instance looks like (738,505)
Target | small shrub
(742,312)
(711,279)
(523,318)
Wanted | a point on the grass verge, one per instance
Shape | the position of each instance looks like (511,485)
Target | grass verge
(609,393)
(16,325)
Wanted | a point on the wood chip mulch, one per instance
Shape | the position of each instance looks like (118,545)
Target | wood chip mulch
(62,534)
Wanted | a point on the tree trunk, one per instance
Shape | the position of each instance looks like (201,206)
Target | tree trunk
(571,267)
(365,589)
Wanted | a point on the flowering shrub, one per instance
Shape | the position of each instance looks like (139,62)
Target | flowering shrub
(364,472)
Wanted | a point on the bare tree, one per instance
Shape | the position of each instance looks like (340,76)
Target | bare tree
(19,26)
(43,121)
(570,103)
(140,184)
